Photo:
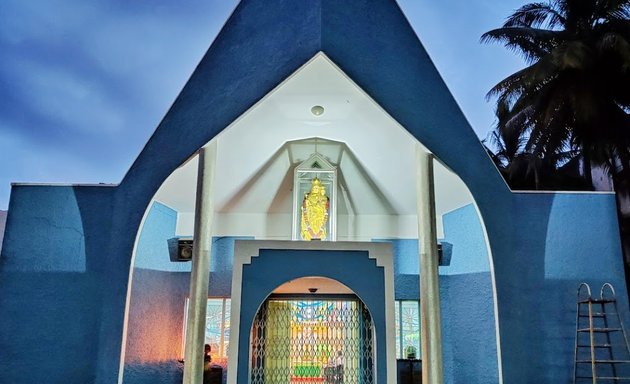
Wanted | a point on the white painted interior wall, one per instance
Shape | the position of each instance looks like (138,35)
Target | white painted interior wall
(257,153)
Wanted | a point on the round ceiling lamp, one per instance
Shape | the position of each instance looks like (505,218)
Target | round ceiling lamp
(317,110)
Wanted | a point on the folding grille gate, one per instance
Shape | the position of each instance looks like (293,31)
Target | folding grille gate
(312,340)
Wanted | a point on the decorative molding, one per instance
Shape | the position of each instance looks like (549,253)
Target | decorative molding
(245,250)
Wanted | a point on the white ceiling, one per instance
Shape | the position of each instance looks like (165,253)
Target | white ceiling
(256,153)
(323,285)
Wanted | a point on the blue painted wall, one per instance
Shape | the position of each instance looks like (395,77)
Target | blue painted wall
(372,42)
(154,329)
(275,267)
(159,290)
(156,313)
(152,252)
(563,238)
(60,251)
(51,284)
(469,331)
(468,328)
(550,257)
(569,259)
(463,229)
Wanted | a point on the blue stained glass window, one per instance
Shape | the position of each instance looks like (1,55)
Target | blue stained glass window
(217,328)
(407,327)
(226,328)
(410,326)
(397,317)
(214,323)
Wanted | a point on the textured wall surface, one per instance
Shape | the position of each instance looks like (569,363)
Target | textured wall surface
(51,284)
(566,248)
(552,246)
(156,311)
(154,330)
(158,295)
(463,229)
(153,251)
(468,329)
(468,321)
(53,221)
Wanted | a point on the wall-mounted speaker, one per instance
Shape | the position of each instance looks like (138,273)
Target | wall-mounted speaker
(445,251)
(180,249)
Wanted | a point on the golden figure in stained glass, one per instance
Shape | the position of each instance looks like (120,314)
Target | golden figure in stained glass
(315,208)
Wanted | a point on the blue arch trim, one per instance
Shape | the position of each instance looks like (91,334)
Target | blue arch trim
(272,268)
(263,43)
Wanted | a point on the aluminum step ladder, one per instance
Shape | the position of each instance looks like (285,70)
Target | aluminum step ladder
(601,345)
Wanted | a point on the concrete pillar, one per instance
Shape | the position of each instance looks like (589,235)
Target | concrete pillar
(431,332)
(198,299)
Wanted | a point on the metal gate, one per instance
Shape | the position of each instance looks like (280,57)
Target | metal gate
(312,340)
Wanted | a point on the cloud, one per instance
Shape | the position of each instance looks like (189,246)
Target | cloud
(83,84)
(24,160)
(49,20)
(67,98)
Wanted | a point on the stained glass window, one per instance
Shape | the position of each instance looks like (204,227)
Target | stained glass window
(407,327)
(398,341)
(226,327)
(217,328)
(214,323)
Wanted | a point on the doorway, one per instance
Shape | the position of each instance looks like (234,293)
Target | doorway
(262,267)
(312,339)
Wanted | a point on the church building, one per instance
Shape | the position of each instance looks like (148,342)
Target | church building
(315,208)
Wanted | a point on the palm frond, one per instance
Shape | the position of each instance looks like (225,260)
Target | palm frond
(529,79)
(572,55)
(531,43)
(572,101)
(536,15)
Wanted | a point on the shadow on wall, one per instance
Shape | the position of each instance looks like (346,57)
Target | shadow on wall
(158,296)
(468,322)
(578,248)
(54,295)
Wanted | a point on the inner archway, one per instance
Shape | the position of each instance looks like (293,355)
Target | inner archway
(312,329)
(262,266)
(253,199)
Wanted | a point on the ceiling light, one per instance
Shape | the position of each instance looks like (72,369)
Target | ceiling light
(317,110)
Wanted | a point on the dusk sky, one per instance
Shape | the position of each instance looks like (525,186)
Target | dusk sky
(83,84)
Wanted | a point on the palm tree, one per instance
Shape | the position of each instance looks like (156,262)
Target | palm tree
(574,95)
(524,170)
(572,101)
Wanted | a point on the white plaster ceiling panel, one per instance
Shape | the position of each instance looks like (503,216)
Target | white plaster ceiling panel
(323,285)
(257,153)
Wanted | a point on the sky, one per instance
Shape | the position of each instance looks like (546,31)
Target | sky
(84,84)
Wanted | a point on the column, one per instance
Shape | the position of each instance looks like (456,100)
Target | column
(198,299)
(431,332)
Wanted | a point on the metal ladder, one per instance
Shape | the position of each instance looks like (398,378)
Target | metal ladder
(601,345)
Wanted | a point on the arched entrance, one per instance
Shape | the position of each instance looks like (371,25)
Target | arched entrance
(374,206)
(262,266)
(312,338)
